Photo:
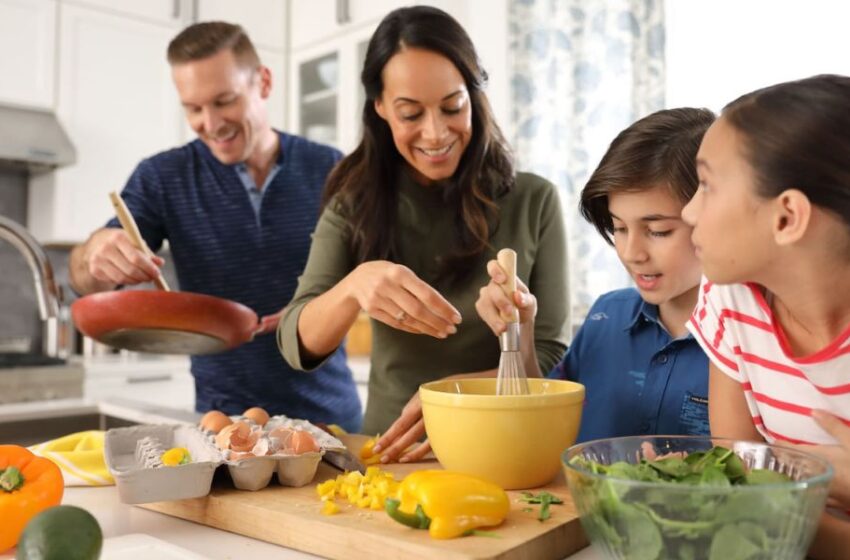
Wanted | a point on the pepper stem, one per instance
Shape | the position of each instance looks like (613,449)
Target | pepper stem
(417,520)
(11,479)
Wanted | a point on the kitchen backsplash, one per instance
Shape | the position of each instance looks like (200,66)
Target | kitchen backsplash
(19,319)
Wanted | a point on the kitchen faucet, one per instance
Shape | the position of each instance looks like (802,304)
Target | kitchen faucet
(46,291)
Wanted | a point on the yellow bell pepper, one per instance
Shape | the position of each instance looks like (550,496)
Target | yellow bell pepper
(448,504)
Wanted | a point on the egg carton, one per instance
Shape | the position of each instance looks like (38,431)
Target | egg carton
(133,457)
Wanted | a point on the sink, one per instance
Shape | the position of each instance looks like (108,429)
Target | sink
(36,430)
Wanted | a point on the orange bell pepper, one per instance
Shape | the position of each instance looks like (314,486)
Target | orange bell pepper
(28,485)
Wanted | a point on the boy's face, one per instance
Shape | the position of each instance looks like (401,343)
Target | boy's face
(654,244)
(732,224)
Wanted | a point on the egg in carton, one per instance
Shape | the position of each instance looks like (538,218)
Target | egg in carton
(255,446)
(134,456)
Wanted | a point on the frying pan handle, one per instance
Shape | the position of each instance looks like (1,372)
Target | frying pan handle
(129,225)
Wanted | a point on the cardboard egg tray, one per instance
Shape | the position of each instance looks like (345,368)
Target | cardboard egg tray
(133,457)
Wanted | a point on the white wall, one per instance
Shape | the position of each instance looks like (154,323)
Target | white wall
(720,49)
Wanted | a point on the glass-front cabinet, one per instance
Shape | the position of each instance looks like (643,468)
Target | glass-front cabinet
(325,90)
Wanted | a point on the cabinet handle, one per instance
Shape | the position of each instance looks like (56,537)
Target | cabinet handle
(151,379)
(342,14)
(175,9)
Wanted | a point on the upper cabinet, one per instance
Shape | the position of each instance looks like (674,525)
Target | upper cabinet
(117,102)
(28,44)
(163,12)
(264,20)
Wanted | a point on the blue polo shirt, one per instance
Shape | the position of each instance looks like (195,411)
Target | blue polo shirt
(227,243)
(638,379)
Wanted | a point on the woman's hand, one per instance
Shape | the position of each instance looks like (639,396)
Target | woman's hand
(493,302)
(394,295)
(405,431)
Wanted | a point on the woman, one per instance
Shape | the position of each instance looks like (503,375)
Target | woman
(411,218)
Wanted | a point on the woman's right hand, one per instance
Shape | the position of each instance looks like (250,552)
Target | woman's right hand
(110,257)
(393,294)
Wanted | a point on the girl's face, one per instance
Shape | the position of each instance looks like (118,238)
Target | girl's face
(426,105)
(732,224)
(654,244)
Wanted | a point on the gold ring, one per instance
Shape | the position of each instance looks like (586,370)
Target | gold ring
(400,316)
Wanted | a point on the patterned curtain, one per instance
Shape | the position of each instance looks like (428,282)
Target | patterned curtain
(582,71)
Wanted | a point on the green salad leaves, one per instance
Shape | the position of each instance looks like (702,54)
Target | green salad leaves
(697,510)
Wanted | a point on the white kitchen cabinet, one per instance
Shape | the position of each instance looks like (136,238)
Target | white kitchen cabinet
(264,20)
(173,13)
(326,98)
(28,44)
(118,104)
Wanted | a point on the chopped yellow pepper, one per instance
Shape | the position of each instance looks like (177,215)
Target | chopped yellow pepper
(448,504)
(367,454)
(367,491)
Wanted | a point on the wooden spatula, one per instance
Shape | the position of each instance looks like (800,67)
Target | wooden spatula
(129,225)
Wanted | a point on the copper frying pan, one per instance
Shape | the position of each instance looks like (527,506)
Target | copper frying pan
(162,321)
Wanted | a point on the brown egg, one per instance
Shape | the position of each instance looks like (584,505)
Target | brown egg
(257,415)
(214,420)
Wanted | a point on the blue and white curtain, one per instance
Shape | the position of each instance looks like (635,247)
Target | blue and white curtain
(582,71)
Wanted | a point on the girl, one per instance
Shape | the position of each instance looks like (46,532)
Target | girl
(412,217)
(772,229)
(643,373)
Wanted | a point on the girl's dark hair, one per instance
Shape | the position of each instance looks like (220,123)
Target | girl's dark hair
(659,149)
(797,136)
(364,184)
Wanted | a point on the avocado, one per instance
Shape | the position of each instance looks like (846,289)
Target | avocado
(61,533)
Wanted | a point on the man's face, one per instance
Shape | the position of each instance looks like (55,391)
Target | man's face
(224,103)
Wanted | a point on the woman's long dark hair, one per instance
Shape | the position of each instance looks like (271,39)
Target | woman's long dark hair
(364,184)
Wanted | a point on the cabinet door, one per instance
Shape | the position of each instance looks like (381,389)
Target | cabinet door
(173,13)
(27,41)
(118,104)
(264,20)
(313,21)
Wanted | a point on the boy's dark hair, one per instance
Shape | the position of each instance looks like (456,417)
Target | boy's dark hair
(659,149)
(202,40)
(797,136)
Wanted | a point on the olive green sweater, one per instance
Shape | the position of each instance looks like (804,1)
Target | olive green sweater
(530,222)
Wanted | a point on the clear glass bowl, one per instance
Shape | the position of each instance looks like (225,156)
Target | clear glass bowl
(638,520)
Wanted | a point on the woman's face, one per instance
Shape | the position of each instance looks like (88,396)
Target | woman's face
(732,223)
(426,105)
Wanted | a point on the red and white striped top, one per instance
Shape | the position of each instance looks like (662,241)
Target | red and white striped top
(737,330)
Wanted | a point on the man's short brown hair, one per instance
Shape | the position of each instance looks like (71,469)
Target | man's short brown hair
(205,39)
(659,149)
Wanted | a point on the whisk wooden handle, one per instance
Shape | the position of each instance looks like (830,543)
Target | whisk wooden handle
(507,260)
(129,225)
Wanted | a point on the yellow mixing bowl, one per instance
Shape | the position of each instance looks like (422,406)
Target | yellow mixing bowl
(515,441)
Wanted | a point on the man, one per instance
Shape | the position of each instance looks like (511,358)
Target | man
(238,206)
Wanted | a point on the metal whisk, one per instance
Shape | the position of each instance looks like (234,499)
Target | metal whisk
(511,379)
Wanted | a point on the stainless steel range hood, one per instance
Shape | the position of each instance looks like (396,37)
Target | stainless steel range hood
(33,139)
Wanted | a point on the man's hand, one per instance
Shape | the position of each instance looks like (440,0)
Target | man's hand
(110,259)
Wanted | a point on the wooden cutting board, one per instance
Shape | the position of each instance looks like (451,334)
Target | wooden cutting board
(290,517)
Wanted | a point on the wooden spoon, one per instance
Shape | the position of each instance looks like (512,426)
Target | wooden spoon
(129,225)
